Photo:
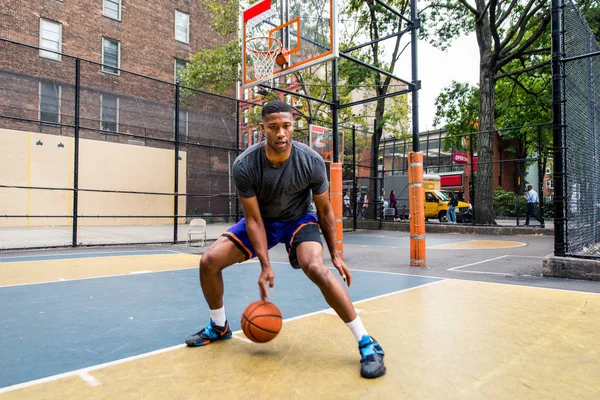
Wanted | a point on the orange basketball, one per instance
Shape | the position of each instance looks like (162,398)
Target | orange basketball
(261,321)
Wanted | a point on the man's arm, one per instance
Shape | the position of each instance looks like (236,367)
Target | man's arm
(258,237)
(327,223)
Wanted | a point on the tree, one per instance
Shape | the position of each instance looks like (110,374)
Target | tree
(217,69)
(591,12)
(508,33)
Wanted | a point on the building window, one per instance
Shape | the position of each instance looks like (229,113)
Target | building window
(183,125)
(112,9)
(50,39)
(182,27)
(179,65)
(548,171)
(109,113)
(254,136)
(549,184)
(245,140)
(288,99)
(111,57)
(50,94)
(245,116)
(246,94)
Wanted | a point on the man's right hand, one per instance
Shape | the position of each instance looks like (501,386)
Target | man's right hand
(266,276)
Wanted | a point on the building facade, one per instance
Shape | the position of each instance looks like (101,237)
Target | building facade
(128,53)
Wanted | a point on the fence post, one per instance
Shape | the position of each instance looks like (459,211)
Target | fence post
(176,183)
(540,174)
(557,130)
(76,150)
(355,179)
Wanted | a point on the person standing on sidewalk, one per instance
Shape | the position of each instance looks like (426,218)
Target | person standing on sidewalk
(533,202)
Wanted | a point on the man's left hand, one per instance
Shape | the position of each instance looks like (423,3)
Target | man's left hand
(345,273)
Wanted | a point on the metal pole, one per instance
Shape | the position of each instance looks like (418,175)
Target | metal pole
(557,132)
(355,180)
(415,79)
(76,150)
(540,175)
(334,109)
(176,183)
(238,134)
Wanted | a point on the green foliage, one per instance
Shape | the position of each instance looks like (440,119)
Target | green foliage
(215,70)
(548,209)
(591,12)
(457,110)
(507,204)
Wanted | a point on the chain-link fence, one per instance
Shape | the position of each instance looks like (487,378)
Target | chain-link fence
(579,71)
(89,154)
(521,158)
(580,61)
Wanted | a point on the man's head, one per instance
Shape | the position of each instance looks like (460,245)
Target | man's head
(278,125)
(529,187)
(276,106)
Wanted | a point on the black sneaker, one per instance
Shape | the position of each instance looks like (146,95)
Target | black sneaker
(371,362)
(209,334)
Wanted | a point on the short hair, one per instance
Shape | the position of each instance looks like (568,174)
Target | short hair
(276,106)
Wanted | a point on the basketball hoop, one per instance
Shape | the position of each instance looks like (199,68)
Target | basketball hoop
(264,51)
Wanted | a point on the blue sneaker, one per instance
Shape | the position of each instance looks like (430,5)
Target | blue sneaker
(209,334)
(371,362)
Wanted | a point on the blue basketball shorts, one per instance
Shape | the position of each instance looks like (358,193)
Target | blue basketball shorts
(292,233)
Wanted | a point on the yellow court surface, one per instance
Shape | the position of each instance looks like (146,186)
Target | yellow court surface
(446,339)
(40,271)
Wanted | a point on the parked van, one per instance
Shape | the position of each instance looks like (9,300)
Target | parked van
(436,200)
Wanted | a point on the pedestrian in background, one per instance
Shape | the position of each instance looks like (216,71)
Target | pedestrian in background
(533,202)
(394,202)
(451,213)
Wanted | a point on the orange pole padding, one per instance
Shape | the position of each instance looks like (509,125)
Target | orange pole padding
(416,200)
(335,192)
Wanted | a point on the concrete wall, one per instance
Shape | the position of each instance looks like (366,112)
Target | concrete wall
(102,166)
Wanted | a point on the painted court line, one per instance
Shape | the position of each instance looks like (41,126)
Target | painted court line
(475,263)
(458,269)
(84,372)
(89,379)
(95,277)
(448,278)
(61,256)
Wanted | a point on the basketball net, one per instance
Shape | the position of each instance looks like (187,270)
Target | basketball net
(263,51)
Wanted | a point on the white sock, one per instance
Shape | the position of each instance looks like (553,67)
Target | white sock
(218,316)
(357,328)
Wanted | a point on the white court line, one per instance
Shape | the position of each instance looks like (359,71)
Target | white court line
(89,379)
(475,263)
(101,253)
(449,278)
(84,371)
(93,277)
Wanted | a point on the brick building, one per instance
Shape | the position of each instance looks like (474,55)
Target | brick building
(130,51)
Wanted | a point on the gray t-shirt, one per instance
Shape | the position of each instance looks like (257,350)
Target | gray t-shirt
(284,193)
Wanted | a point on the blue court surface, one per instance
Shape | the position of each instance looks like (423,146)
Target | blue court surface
(53,328)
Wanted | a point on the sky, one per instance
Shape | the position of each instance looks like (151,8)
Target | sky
(437,70)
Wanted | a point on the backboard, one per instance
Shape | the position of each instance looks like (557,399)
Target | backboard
(306,28)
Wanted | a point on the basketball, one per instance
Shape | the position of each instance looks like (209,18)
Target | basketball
(261,321)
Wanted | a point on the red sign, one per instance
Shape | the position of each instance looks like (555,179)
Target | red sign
(460,158)
(447,181)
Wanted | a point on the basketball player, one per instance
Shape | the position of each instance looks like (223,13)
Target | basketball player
(275,180)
